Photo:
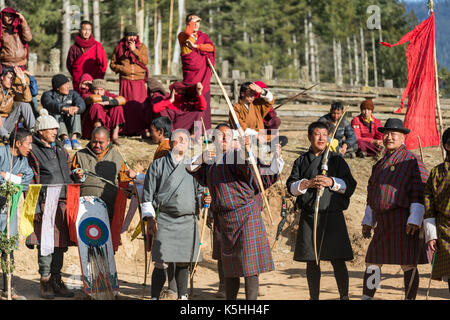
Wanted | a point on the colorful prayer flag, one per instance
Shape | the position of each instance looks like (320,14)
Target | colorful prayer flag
(73,202)
(26,225)
(48,220)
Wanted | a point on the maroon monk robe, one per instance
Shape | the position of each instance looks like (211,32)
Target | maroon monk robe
(149,113)
(196,69)
(109,116)
(86,56)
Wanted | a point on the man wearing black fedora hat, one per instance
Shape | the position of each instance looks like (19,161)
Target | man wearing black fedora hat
(395,209)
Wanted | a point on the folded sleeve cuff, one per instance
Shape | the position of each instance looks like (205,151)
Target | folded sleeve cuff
(416,213)
(295,188)
(148,210)
(430,229)
(192,167)
(338,185)
(369,219)
(14,179)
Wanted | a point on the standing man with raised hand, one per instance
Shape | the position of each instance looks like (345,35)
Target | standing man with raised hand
(333,242)
(196,49)
(437,214)
(15,34)
(86,55)
(395,211)
(129,60)
(237,204)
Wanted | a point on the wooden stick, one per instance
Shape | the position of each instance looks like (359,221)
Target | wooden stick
(205,216)
(420,147)
(241,133)
(438,103)
(293,97)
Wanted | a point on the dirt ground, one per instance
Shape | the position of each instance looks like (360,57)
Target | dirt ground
(286,282)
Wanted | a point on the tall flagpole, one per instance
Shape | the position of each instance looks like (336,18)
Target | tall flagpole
(436,75)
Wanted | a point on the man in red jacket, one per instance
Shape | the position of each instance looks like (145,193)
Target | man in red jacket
(366,127)
(86,56)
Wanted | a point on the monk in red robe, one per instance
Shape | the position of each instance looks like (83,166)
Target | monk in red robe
(86,56)
(105,109)
(184,107)
(129,60)
(196,48)
(156,93)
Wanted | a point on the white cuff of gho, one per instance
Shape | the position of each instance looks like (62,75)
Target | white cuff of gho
(429,226)
(268,96)
(416,213)
(148,210)
(14,179)
(277,165)
(369,218)
(338,185)
(193,167)
(295,188)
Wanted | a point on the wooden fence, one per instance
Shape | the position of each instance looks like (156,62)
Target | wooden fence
(295,115)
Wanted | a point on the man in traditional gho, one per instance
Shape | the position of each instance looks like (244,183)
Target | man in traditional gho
(86,55)
(395,211)
(196,49)
(345,135)
(50,163)
(333,243)
(15,34)
(101,160)
(237,204)
(129,60)
(16,152)
(249,110)
(170,204)
(437,214)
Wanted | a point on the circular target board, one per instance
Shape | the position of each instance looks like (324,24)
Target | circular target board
(93,231)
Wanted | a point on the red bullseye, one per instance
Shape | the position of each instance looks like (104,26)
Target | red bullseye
(93,232)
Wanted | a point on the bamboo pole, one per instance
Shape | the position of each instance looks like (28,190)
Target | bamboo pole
(241,133)
(169,49)
(436,75)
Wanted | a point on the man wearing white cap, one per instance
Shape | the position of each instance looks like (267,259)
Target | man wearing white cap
(50,163)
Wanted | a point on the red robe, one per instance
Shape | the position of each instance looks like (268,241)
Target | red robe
(91,60)
(109,116)
(182,112)
(196,69)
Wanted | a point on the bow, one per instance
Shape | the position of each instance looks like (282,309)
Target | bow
(205,215)
(241,134)
(320,191)
(283,214)
(296,96)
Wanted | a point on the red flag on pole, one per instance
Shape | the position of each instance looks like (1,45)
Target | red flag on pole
(420,115)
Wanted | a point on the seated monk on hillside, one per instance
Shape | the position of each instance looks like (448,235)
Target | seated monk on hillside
(105,109)
(365,126)
(155,93)
(184,106)
(85,85)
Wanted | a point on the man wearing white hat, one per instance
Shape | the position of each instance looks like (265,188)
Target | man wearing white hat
(50,163)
